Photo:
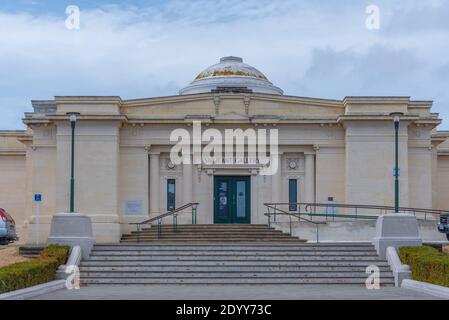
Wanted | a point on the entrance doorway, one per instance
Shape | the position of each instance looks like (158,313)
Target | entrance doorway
(232,196)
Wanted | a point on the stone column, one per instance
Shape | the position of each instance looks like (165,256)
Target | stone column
(310,177)
(276,181)
(154,184)
(187,180)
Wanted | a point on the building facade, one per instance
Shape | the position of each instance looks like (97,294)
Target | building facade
(328,150)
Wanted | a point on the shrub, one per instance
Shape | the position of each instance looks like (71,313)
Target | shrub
(427,264)
(33,272)
(58,252)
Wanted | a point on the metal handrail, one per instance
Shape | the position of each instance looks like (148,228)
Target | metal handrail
(290,215)
(275,206)
(382,209)
(173,213)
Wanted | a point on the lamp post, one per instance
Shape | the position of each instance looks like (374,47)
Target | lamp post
(73,119)
(396,118)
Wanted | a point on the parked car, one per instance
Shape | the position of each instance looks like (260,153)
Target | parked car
(7,227)
(443,224)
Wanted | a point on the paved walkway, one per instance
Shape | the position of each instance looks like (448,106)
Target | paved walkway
(241,292)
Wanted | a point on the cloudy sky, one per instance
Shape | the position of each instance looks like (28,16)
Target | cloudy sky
(150,48)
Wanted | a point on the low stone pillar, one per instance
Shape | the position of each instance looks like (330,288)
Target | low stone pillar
(73,229)
(396,230)
(445,249)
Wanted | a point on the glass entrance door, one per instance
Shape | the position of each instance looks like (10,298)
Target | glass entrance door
(232,199)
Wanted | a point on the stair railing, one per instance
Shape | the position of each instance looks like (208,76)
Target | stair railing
(274,210)
(353,211)
(174,214)
(346,211)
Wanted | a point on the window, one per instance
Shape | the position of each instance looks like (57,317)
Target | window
(171,190)
(292,194)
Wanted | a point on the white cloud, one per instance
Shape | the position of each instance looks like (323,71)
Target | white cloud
(135,52)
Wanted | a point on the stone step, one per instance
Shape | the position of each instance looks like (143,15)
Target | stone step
(235,258)
(220,268)
(230,274)
(209,229)
(225,233)
(241,249)
(252,246)
(216,226)
(233,281)
(241,264)
(302,253)
(30,251)
(208,234)
(212,237)
(211,240)
(228,254)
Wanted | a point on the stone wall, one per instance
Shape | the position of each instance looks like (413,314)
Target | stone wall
(351,231)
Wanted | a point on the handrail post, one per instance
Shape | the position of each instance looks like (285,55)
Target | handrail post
(175,222)
(193,214)
(290,224)
(275,212)
(317,235)
(138,232)
(268,216)
(159,228)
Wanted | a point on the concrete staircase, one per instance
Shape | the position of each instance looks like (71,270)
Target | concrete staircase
(207,233)
(30,251)
(232,263)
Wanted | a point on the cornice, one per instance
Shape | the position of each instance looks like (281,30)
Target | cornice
(12,152)
(440,134)
(13,133)
(210,96)
(89,99)
(48,119)
(374,117)
(376,100)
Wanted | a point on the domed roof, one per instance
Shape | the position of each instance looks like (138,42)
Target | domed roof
(231,74)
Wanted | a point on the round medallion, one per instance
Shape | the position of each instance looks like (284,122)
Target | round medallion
(292,164)
(170,165)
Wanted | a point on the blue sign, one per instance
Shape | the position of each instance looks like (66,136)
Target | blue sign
(38,197)
(396,172)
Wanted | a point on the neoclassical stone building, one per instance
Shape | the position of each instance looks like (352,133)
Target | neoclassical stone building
(329,150)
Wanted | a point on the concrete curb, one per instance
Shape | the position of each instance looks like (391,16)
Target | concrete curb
(424,287)
(34,291)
